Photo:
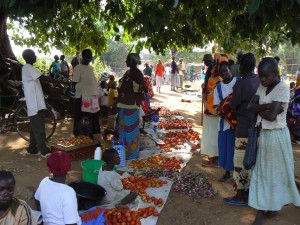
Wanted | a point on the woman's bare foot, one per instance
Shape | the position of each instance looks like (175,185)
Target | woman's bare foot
(273,215)
(259,219)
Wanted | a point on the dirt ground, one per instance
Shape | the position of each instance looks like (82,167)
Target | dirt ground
(179,209)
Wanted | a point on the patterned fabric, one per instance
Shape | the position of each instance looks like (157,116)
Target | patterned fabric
(226,149)
(241,176)
(90,104)
(129,131)
(209,103)
(94,216)
(148,85)
(225,111)
(273,182)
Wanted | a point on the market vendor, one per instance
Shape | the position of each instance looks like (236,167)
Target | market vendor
(13,211)
(86,122)
(57,200)
(130,96)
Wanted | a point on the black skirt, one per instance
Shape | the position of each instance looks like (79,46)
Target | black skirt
(85,123)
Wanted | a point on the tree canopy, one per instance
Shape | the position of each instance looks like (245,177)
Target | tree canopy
(155,24)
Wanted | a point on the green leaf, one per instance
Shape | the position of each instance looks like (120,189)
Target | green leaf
(253,6)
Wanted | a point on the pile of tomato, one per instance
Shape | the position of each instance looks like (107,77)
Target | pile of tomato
(176,140)
(166,112)
(128,217)
(139,184)
(156,162)
(174,124)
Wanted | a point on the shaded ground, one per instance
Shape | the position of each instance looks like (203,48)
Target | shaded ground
(179,209)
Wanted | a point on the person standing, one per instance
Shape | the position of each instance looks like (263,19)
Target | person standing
(273,180)
(174,72)
(181,73)
(208,62)
(130,96)
(64,67)
(147,71)
(86,122)
(35,104)
(209,141)
(167,73)
(226,135)
(159,74)
(54,69)
(235,68)
(243,91)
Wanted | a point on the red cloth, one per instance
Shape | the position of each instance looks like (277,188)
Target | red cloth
(59,163)
(159,69)
(148,85)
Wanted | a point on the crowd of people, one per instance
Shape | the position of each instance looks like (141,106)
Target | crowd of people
(245,115)
(239,105)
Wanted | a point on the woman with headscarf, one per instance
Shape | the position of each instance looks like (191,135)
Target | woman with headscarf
(13,211)
(209,141)
(57,200)
(130,96)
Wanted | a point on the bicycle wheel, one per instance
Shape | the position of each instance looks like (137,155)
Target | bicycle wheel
(22,122)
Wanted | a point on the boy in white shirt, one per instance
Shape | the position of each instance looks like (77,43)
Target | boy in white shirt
(35,103)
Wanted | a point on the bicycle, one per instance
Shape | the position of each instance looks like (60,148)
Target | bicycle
(18,120)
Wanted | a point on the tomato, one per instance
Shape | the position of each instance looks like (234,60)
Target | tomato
(155,213)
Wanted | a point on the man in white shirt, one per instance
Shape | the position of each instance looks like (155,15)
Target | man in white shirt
(35,103)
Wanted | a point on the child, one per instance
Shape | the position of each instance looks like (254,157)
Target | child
(226,137)
(111,180)
(103,96)
(111,81)
(103,99)
(112,93)
(55,66)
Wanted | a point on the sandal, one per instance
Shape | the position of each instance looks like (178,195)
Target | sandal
(232,201)
(210,164)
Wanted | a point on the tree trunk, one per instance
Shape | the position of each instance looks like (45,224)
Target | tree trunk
(5,47)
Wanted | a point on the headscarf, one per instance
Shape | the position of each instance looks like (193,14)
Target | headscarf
(59,163)
(135,57)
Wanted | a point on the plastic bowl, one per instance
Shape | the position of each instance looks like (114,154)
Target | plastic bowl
(88,194)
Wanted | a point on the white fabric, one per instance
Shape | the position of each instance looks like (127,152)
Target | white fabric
(280,93)
(32,90)
(86,81)
(111,182)
(159,81)
(102,97)
(209,140)
(226,90)
(168,70)
(272,182)
(58,203)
